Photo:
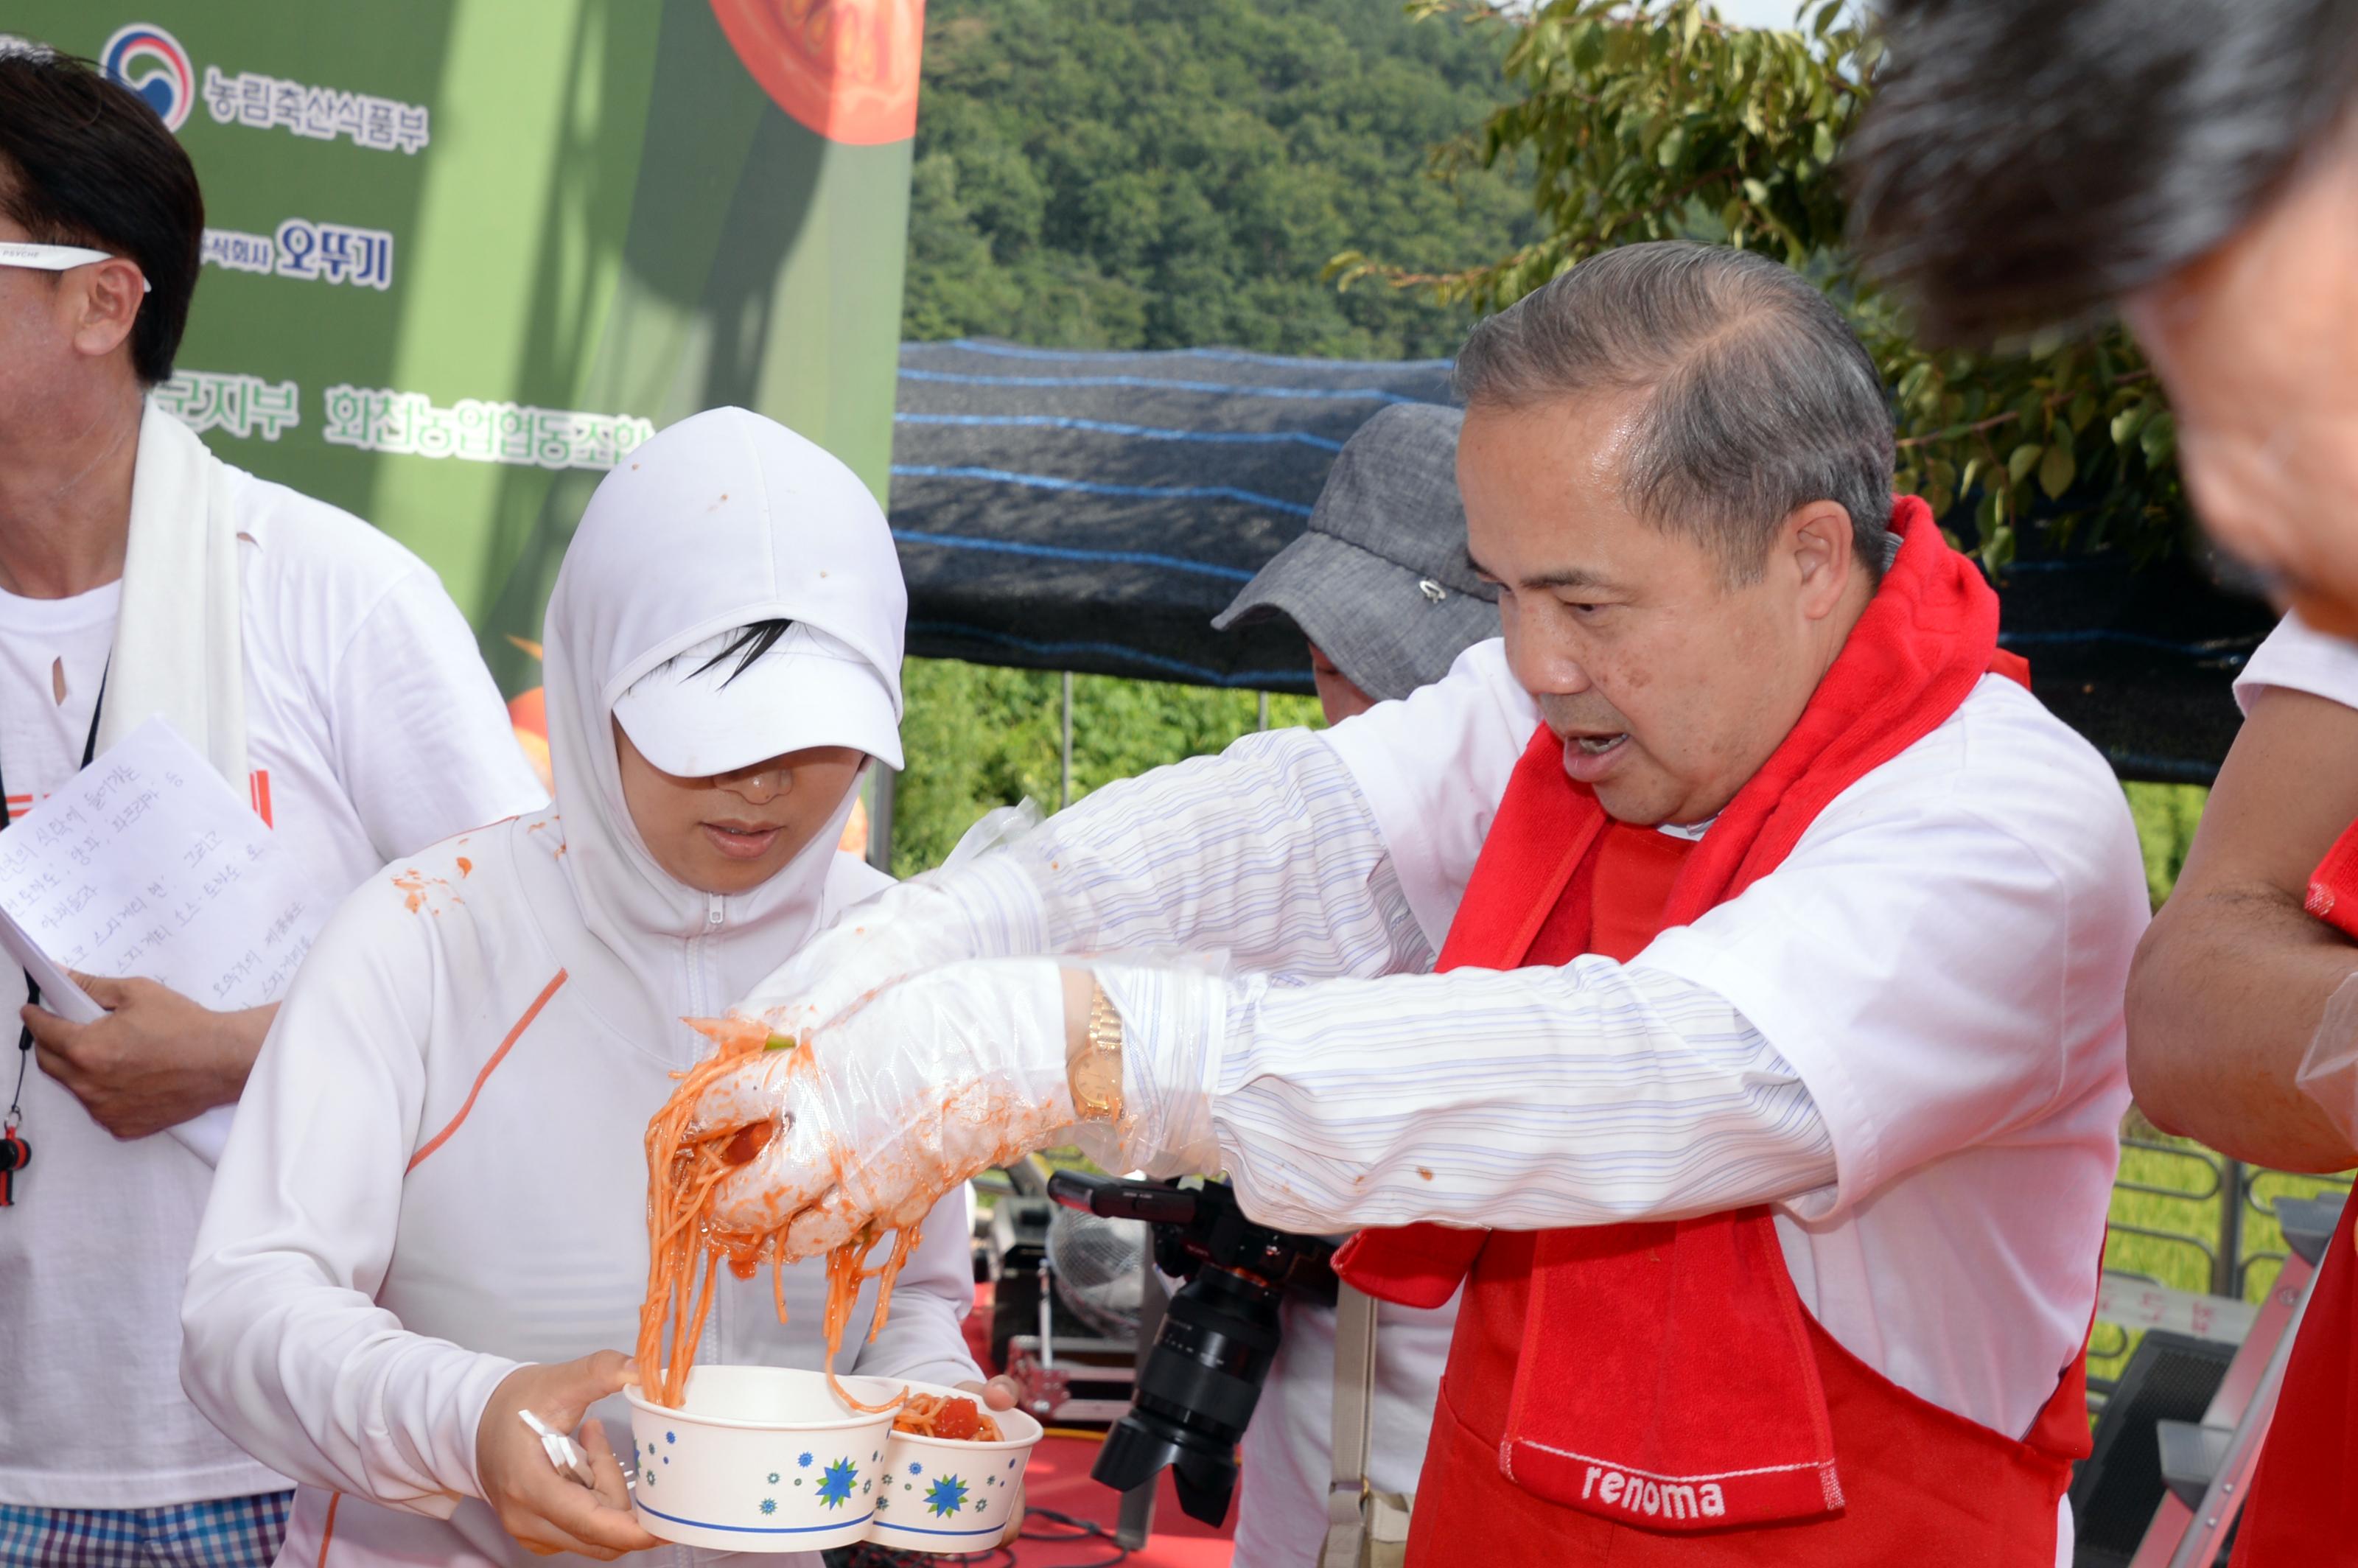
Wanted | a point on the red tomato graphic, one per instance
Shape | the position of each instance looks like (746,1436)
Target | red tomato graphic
(847,68)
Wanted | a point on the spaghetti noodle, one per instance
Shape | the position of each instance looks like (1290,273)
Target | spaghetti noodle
(948,1416)
(684,1166)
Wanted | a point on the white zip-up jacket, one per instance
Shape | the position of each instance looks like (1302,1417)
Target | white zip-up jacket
(437,1169)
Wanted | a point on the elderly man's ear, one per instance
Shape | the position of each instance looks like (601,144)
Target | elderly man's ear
(1814,547)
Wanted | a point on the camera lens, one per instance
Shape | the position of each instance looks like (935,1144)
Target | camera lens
(1196,1391)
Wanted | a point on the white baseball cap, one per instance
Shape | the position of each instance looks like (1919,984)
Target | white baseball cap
(699,713)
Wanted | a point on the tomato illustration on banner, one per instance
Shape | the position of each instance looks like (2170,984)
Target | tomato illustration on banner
(845,69)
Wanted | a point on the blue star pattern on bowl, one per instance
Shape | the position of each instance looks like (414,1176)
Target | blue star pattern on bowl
(917,1469)
(834,1484)
(671,1437)
(769,1505)
(947,1496)
(804,1461)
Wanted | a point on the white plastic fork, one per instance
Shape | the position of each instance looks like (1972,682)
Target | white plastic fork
(563,1452)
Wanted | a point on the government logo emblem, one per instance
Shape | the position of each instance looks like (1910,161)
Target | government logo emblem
(151,63)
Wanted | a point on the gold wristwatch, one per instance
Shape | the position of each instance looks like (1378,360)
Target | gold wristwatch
(1095,1074)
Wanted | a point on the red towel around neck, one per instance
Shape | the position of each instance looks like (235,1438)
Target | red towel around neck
(1677,1349)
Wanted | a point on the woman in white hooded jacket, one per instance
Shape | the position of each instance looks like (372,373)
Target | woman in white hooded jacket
(431,1212)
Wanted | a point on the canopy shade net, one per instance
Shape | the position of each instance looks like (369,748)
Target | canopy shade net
(1093,511)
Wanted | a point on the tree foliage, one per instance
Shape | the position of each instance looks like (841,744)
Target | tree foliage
(978,737)
(1153,173)
(1168,173)
(1652,119)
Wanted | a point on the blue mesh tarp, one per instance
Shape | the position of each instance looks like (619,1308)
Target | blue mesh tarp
(1093,511)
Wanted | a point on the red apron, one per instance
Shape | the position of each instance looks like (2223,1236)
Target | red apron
(2303,1510)
(1655,1391)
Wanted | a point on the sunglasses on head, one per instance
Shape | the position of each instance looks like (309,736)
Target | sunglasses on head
(56,258)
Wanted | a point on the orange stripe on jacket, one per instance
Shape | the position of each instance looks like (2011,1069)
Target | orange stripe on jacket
(498,1057)
(327,1531)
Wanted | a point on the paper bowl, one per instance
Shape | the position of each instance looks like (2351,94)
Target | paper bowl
(940,1496)
(760,1459)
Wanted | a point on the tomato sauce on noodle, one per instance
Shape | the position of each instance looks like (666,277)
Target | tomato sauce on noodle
(683,1168)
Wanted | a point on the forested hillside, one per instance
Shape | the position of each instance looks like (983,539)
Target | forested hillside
(1168,174)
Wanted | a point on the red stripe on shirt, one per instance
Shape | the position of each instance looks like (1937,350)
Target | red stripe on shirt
(497,1057)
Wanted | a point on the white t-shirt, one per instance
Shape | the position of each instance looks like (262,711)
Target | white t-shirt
(2301,659)
(53,650)
(373,729)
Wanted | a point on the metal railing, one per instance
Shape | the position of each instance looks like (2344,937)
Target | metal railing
(2240,1191)
(2223,1239)
(2216,1176)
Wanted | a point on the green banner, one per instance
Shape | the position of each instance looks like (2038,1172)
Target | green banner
(461,255)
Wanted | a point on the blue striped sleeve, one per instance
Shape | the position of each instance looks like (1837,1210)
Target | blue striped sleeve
(1267,852)
(1586,1094)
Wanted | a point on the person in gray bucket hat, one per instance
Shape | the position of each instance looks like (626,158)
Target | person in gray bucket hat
(1379,583)
(1381,588)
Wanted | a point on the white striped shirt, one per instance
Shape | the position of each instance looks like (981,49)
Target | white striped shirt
(1576,1096)
(1908,1036)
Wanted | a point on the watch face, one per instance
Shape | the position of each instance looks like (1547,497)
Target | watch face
(1097,1085)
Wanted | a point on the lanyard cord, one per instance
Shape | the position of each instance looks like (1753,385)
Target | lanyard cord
(32,992)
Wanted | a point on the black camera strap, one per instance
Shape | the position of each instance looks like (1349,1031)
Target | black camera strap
(15,1153)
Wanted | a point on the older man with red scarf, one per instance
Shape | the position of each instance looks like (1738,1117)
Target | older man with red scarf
(1720,976)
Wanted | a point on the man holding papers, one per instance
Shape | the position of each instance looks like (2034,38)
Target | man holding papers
(316,666)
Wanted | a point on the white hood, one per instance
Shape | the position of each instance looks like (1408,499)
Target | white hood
(723,520)
(460,1187)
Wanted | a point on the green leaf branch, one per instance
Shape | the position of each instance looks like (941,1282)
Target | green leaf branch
(1654,119)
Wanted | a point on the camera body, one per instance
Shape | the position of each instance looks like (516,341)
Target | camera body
(1203,1375)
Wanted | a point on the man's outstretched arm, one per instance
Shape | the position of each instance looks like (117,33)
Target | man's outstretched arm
(2232,977)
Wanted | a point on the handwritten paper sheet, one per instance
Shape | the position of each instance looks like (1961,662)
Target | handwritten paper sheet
(147,864)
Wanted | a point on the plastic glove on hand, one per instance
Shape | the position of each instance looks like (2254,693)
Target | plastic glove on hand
(895,1103)
(961,911)
(2329,1072)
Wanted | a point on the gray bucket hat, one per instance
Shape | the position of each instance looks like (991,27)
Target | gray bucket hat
(1380,581)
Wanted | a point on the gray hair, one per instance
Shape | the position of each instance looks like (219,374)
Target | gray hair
(1757,398)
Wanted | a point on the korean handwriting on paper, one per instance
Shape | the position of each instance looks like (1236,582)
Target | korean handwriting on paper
(147,863)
